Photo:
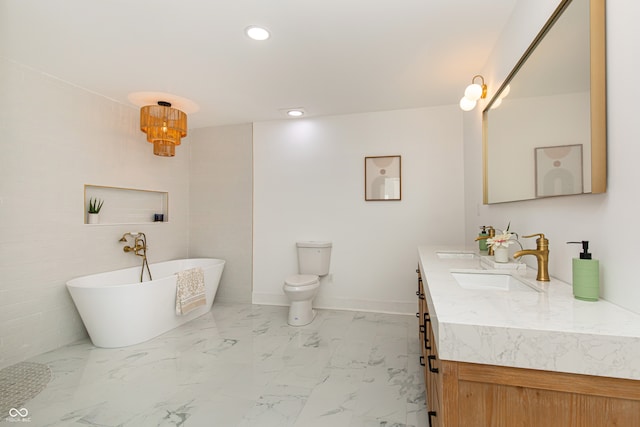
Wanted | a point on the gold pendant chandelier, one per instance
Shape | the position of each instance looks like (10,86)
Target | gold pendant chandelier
(164,127)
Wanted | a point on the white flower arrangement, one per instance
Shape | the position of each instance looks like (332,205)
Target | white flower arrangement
(503,240)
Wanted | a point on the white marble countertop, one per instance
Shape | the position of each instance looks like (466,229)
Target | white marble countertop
(548,330)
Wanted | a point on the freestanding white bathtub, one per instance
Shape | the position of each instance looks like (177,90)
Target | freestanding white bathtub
(118,310)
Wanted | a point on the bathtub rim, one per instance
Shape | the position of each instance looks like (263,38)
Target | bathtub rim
(76,281)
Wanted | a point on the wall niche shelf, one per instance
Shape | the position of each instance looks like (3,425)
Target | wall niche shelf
(127,205)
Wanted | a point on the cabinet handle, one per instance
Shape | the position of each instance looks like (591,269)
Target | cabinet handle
(431,368)
(431,414)
(423,328)
(421,296)
(421,360)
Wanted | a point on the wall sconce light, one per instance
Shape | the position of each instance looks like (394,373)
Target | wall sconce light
(472,93)
(164,127)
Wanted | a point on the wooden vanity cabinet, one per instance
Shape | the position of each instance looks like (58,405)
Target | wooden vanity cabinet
(429,358)
(463,394)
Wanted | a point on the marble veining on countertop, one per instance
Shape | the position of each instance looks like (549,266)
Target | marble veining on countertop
(548,330)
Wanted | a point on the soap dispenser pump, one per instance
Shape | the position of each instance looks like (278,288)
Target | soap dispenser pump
(482,238)
(586,275)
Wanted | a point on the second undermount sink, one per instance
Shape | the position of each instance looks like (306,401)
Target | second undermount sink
(455,255)
(490,281)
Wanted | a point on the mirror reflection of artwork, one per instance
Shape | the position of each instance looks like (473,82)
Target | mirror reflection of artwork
(382,178)
(559,170)
(556,92)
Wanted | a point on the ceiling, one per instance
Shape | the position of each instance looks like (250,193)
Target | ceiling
(327,56)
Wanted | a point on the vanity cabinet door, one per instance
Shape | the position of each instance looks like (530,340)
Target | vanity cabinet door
(434,381)
(503,397)
(422,314)
(429,358)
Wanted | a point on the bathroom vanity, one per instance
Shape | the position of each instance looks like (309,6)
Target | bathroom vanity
(528,355)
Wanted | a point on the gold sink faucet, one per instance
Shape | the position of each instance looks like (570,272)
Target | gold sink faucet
(542,255)
(491,234)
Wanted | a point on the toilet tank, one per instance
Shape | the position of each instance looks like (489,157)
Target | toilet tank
(314,257)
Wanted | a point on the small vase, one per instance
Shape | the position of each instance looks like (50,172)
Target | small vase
(93,218)
(501,254)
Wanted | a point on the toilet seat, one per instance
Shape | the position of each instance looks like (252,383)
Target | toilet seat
(301,280)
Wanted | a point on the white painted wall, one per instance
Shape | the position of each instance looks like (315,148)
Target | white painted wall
(221,188)
(516,139)
(55,138)
(608,221)
(309,185)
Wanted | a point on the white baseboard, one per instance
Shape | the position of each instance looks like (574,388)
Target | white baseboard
(393,307)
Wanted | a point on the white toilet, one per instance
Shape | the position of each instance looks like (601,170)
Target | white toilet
(313,261)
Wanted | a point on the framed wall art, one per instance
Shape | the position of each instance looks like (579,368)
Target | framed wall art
(382,178)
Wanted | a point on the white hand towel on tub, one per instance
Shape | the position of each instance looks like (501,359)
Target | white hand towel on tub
(190,290)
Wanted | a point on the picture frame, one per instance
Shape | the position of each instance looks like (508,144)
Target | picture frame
(383,178)
(559,170)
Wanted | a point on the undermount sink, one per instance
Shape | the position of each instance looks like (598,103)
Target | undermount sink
(491,282)
(455,255)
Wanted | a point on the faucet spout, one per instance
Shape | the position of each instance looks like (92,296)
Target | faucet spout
(542,256)
(491,235)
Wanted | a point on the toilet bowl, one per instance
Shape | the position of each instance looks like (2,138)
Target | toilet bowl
(300,289)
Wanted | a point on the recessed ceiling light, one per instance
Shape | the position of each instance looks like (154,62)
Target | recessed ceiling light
(257,33)
(295,113)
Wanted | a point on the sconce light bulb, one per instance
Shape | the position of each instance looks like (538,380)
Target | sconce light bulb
(473,92)
(467,104)
(505,91)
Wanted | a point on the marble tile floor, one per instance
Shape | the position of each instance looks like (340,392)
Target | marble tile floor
(242,365)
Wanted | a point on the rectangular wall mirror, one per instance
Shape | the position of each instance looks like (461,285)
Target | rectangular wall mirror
(544,131)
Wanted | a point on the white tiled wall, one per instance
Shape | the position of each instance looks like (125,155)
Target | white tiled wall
(221,221)
(55,139)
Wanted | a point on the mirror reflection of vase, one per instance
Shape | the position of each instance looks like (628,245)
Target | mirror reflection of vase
(501,254)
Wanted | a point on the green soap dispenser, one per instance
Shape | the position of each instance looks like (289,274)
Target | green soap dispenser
(482,242)
(586,275)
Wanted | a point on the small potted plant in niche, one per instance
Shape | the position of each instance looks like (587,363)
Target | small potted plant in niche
(95,205)
(500,244)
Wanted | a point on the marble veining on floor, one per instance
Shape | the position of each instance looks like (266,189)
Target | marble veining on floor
(242,365)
